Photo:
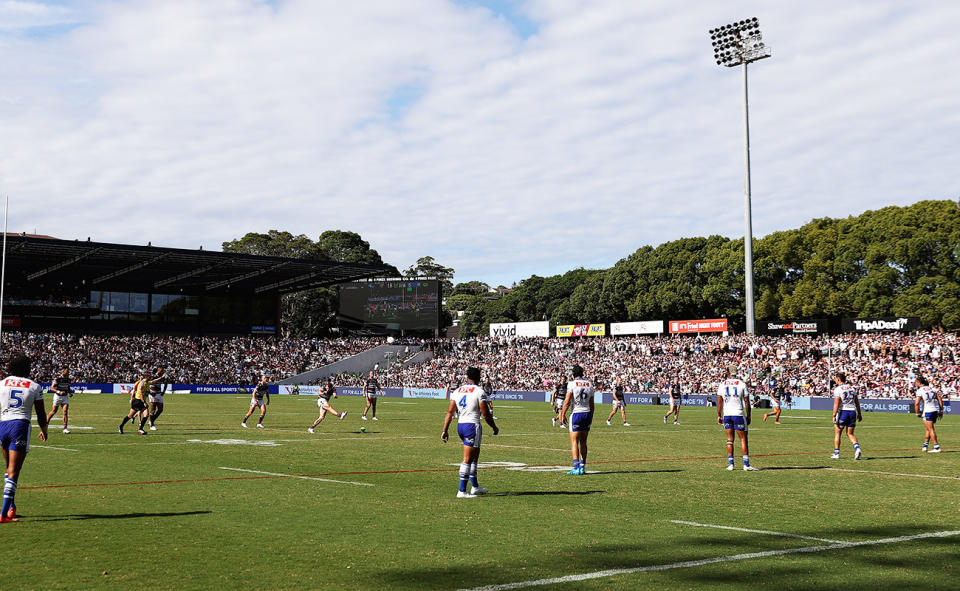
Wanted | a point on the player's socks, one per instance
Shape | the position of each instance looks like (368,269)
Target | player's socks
(464,476)
(473,474)
(936,447)
(9,491)
(124,421)
(730,459)
(924,446)
(143,422)
(746,460)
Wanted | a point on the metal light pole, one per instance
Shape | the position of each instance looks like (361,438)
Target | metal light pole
(738,44)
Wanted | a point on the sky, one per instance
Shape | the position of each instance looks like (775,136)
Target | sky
(504,138)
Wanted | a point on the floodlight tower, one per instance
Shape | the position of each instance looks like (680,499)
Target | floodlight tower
(739,44)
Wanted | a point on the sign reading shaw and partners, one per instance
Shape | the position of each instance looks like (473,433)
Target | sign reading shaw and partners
(628,328)
(785,327)
(520,329)
(695,326)
(582,330)
(884,324)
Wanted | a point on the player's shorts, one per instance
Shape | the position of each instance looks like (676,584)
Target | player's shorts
(15,435)
(580,421)
(257,402)
(138,405)
(371,397)
(736,423)
(470,433)
(776,403)
(931,417)
(558,403)
(323,402)
(674,402)
(155,398)
(617,404)
(846,418)
(59,400)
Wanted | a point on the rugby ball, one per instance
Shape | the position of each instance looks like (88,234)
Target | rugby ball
(363,429)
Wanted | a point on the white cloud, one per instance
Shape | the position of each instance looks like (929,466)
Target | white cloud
(188,123)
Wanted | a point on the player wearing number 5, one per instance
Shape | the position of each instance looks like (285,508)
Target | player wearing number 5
(930,409)
(580,401)
(733,412)
(471,402)
(18,395)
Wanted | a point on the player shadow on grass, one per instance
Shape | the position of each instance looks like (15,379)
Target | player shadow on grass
(591,472)
(794,468)
(542,493)
(86,516)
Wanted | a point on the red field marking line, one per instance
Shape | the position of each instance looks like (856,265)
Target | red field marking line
(414,470)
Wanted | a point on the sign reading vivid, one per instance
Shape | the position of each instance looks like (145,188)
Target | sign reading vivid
(520,329)
(582,330)
(885,324)
(694,326)
(782,327)
(645,327)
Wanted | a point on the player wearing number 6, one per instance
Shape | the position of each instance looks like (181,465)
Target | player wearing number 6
(18,395)
(930,409)
(471,402)
(579,401)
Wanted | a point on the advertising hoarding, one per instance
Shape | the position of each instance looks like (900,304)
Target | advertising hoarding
(628,328)
(695,326)
(881,324)
(785,327)
(520,329)
(582,330)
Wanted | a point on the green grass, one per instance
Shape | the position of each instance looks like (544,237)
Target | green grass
(171,518)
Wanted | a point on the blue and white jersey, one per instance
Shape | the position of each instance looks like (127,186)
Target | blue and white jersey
(17,396)
(468,398)
(928,395)
(582,391)
(847,395)
(733,392)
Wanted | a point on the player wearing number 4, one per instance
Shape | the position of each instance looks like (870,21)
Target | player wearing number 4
(733,412)
(471,401)
(19,396)
(580,401)
(931,403)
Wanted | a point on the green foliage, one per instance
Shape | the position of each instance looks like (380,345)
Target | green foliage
(429,267)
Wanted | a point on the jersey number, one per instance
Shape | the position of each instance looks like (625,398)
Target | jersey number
(731,392)
(16,401)
(463,402)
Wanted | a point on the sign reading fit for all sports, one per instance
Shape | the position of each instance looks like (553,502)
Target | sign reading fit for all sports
(900,324)
(694,326)
(520,329)
(645,327)
(582,330)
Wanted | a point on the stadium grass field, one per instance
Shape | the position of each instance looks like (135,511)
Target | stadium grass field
(204,504)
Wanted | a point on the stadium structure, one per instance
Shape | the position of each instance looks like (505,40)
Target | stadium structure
(86,286)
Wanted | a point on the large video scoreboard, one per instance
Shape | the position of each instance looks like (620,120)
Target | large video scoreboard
(391,305)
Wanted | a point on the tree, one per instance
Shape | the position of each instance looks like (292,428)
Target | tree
(428,267)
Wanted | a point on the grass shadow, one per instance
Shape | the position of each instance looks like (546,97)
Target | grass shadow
(543,493)
(591,472)
(137,515)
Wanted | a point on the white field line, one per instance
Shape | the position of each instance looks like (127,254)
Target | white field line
(295,476)
(894,474)
(756,531)
(694,563)
(526,447)
(52,447)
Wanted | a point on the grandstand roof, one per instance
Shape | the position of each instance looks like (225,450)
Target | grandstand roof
(34,261)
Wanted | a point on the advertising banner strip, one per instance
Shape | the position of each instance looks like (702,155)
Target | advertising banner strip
(882,324)
(787,327)
(582,330)
(628,328)
(520,329)
(695,326)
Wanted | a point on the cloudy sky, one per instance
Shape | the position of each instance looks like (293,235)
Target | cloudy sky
(502,137)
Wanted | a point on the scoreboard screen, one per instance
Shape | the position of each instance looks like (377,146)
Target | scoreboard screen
(398,304)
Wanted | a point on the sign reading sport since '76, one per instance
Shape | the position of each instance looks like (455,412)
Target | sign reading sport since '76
(693,326)
(582,330)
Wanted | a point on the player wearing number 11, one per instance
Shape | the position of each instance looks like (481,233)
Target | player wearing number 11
(471,402)
(733,412)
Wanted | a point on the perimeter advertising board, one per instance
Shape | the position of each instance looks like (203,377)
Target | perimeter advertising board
(695,326)
(520,329)
(786,327)
(883,324)
(582,330)
(628,328)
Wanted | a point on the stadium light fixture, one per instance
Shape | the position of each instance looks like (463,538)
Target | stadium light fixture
(738,44)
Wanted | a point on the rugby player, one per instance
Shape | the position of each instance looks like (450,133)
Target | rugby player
(259,392)
(138,403)
(775,395)
(618,402)
(579,401)
(733,412)
(323,401)
(846,414)
(155,397)
(472,403)
(674,392)
(61,397)
(559,395)
(19,397)
(930,408)
(370,389)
